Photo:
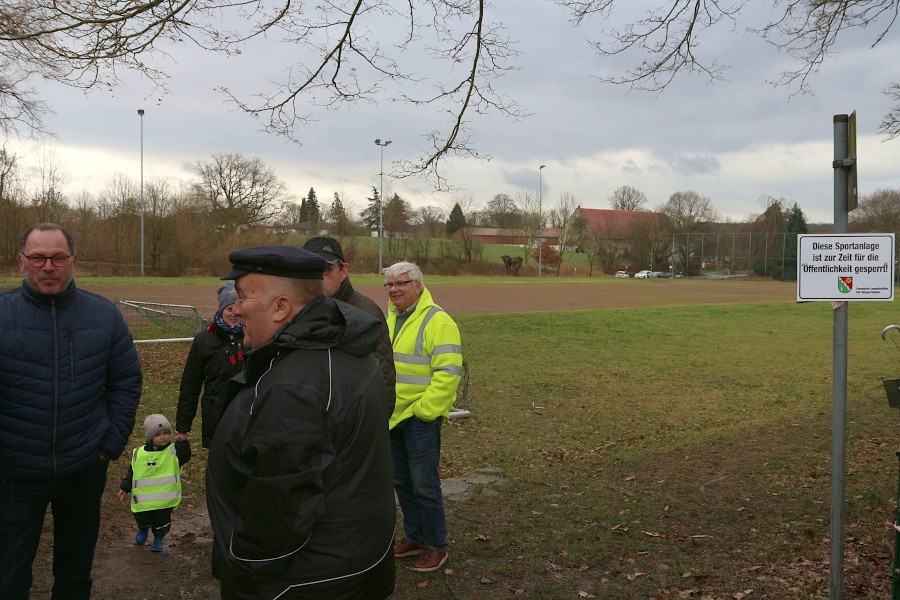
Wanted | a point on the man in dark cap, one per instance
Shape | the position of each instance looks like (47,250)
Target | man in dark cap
(298,480)
(338,286)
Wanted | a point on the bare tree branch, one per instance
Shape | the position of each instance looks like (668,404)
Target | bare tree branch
(668,36)
(342,62)
(341,53)
(21,111)
(627,198)
(808,30)
(666,40)
(890,125)
(239,190)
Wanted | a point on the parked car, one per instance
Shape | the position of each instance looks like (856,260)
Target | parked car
(621,273)
(660,274)
(645,274)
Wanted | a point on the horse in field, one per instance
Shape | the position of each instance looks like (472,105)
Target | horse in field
(512,264)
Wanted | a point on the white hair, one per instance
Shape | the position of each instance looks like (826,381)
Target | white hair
(412,270)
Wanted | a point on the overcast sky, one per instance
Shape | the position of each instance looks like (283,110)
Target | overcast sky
(733,142)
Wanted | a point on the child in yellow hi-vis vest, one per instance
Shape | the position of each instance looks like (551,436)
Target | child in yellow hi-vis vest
(154,480)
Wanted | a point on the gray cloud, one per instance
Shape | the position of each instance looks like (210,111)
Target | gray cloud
(631,167)
(592,137)
(703,164)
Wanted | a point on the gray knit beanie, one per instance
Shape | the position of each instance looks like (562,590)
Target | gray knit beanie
(153,424)
(227,295)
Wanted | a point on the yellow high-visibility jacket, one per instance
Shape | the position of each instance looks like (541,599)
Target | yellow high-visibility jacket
(428,360)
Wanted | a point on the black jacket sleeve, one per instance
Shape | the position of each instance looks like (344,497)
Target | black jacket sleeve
(183,451)
(191,384)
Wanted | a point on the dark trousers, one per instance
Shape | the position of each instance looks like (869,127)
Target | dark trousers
(160,520)
(75,503)
(416,452)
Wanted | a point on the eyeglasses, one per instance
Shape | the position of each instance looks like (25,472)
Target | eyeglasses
(39,260)
(397,284)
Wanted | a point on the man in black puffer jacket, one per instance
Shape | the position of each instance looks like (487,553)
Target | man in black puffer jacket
(69,388)
(299,482)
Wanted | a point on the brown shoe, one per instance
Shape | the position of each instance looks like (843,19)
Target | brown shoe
(407,548)
(431,560)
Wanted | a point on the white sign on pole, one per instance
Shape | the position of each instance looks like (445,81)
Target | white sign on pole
(845,267)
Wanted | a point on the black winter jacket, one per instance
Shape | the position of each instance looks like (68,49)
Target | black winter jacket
(212,361)
(384,352)
(70,382)
(299,478)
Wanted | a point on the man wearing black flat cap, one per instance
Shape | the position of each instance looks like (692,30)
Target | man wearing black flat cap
(338,286)
(299,480)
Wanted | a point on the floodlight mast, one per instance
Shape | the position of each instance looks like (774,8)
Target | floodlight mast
(540,220)
(381,204)
(141,115)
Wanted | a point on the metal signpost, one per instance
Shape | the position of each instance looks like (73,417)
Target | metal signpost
(841,268)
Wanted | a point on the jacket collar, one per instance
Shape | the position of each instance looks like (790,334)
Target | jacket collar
(62,298)
(344,291)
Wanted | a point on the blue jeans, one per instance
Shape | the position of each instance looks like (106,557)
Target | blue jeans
(416,452)
(75,503)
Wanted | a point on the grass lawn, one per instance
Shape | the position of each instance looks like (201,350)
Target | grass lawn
(679,452)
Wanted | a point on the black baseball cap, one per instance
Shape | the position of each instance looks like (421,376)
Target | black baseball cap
(326,247)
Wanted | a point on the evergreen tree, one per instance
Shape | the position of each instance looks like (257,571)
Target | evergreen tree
(371,212)
(338,216)
(456,220)
(796,223)
(312,206)
(397,214)
(303,212)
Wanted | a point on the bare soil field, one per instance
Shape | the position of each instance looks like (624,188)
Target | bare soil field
(513,296)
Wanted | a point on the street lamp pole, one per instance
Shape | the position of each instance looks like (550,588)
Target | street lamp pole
(381,204)
(141,115)
(541,219)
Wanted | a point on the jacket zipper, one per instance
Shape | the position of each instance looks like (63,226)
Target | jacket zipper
(55,380)
(71,357)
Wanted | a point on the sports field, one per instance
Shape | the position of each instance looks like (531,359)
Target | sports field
(507,294)
(652,439)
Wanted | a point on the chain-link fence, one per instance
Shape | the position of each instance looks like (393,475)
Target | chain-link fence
(735,255)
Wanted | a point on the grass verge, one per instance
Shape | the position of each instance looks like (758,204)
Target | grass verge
(653,453)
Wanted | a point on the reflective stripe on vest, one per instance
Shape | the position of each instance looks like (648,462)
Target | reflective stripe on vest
(420,358)
(156,479)
(145,498)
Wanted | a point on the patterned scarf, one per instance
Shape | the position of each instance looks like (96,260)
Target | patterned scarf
(231,332)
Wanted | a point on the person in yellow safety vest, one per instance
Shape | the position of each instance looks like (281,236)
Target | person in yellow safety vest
(154,480)
(428,361)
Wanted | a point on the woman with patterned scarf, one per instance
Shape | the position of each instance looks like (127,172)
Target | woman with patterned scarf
(217,355)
